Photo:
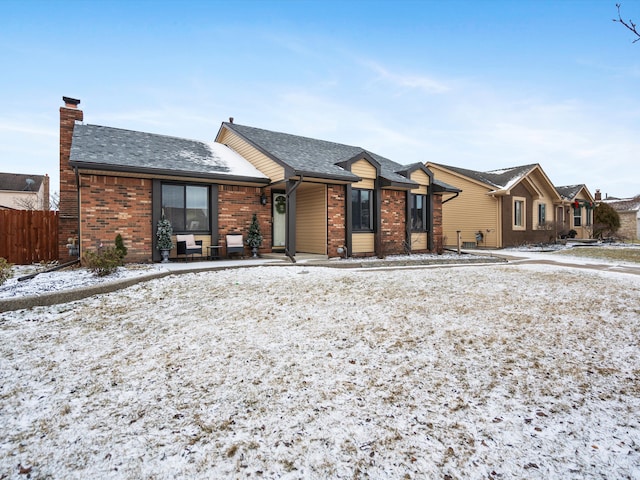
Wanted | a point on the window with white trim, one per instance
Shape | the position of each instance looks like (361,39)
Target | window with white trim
(519,212)
(542,215)
(577,216)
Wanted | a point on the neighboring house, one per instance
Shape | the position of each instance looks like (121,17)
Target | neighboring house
(502,208)
(24,192)
(310,196)
(576,211)
(629,212)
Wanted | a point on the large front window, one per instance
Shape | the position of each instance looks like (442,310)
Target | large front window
(418,213)
(362,209)
(186,207)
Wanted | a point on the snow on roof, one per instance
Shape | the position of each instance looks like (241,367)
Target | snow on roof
(95,145)
(220,155)
(624,204)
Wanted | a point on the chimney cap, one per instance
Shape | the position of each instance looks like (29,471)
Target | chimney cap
(70,102)
(230,119)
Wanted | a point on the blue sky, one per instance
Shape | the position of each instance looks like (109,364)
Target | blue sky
(476,84)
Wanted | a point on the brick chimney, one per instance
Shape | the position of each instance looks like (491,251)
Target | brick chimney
(598,195)
(68,208)
(45,192)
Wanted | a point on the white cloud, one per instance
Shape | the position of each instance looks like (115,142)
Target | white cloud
(13,126)
(408,81)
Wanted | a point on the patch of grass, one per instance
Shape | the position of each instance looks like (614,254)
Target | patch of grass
(620,254)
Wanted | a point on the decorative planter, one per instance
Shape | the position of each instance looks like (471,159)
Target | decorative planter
(254,250)
(165,255)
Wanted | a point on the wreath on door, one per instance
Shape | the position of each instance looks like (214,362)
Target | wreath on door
(281,204)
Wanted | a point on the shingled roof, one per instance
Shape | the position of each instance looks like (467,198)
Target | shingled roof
(502,179)
(624,204)
(313,157)
(114,149)
(20,182)
(569,192)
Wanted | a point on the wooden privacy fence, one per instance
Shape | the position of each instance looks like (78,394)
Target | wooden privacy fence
(28,236)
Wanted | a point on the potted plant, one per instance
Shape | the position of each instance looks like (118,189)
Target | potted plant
(163,235)
(254,238)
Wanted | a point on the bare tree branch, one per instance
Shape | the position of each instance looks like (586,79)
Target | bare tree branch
(631,26)
(29,203)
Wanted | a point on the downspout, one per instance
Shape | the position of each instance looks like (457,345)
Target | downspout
(431,229)
(287,252)
(377,239)
(407,223)
(75,169)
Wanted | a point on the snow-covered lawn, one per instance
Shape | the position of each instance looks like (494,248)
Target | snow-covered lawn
(499,371)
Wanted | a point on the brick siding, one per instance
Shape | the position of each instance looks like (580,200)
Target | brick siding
(236,206)
(336,217)
(393,221)
(438,241)
(117,205)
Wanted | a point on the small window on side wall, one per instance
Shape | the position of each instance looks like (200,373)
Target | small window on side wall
(519,211)
(542,215)
(418,213)
(362,210)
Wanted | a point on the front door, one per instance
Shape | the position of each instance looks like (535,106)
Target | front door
(279,220)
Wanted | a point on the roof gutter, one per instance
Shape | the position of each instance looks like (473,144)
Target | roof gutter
(328,176)
(169,173)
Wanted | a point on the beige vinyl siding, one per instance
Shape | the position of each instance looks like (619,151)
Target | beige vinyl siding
(271,169)
(541,183)
(423,179)
(419,241)
(472,211)
(366,171)
(584,230)
(311,218)
(549,213)
(546,198)
(362,243)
